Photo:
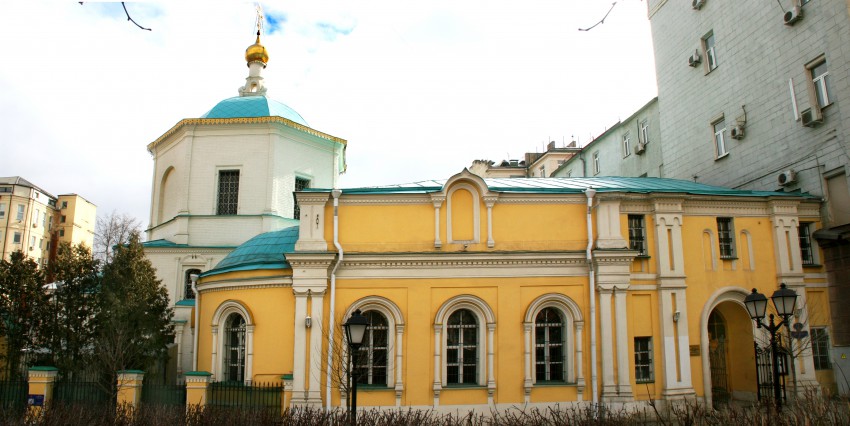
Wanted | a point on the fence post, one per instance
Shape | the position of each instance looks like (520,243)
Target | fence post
(40,392)
(197,388)
(287,389)
(130,387)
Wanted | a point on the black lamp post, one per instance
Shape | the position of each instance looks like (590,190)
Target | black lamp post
(355,330)
(784,301)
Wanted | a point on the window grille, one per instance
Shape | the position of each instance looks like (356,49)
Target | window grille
(549,346)
(234,350)
(300,184)
(806,250)
(726,237)
(820,348)
(228,192)
(643,360)
(187,291)
(462,348)
(637,234)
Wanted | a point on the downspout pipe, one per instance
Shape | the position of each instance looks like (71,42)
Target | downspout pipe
(335,194)
(194,279)
(590,193)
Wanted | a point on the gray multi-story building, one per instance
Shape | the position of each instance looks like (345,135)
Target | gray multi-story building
(750,96)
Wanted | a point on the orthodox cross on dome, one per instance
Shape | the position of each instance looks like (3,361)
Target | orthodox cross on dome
(257,57)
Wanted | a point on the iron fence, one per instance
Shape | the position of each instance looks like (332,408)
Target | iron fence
(13,393)
(156,393)
(83,388)
(255,396)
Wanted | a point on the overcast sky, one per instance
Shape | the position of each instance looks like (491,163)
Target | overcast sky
(419,89)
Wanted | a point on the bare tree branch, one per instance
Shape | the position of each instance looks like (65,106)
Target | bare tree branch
(601,21)
(131,19)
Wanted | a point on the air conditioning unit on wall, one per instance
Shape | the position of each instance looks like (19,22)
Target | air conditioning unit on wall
(793,15)
(787,177)
(737,132)
(695,59)
(640,148)
(697,4)
(811,118)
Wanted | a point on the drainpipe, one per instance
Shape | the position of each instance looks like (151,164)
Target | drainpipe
(590,192)
(335,193)
(194,279)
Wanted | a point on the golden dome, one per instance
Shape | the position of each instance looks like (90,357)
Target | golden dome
(257,53)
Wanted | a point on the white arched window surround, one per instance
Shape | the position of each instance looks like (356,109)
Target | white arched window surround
(573,326)
(395,324)
(218,323)
(476,213)
(485,317)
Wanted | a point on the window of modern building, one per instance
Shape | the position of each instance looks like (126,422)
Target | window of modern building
(719,128)
(807,252)
(234,348)
(838,199)
(820,348)
(44,220)
(550,357)
(2,210)
(35,218)
(637,234)
(726,237)
(542,171)
(372,355)
(188,293)
(708,43)
(820,81)
(300,185)
(20,216)
(61,232)
(228,192)
(16,238)
(644,131)
(627,148)
(62,219)
(643,360)
(596,163)
(32,242)
(64,204)
(462,348)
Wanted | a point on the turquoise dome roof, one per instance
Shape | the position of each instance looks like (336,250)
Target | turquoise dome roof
(253,106)
(265,251)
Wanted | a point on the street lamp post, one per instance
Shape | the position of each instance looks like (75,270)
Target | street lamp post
(784,300)
(355,330)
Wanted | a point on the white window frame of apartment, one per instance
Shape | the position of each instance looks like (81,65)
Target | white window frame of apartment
(596,163)
(32,241)
(627,144)
(709,42)
(644,130)
(818,83)
(718,127)
(20,215)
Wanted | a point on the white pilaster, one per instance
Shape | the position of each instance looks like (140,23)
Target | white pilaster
(299,347)
(490,201)
(624,387)
(437,200)
(606,343)
(438,370)
(314,395)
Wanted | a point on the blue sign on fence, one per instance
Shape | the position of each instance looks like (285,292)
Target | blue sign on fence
(35,400)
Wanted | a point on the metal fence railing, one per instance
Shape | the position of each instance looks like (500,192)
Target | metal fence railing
(82,389)
(255,396)
(154,393)
(13,393)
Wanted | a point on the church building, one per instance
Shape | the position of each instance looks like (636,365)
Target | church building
(480,293)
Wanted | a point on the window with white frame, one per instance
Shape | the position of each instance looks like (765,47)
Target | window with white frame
(644,131)
(807,252)
(372,355)
(726,237)
(16,238)
(234,348)
(550,357)
(627,148)
(35,218)
(719,128)
(2,210)
(820,82)
(596,163)
(32,241)
(820,348)
(462,348)
(637,234)
(228,192)
(643,360)
(543,171)
(708,45)
(20,216)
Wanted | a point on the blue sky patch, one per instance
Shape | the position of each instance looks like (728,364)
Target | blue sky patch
(274,22)
(331,31)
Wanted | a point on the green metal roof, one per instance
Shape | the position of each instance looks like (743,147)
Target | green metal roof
(253,106)
(265,251)
(161,243)
(575,185)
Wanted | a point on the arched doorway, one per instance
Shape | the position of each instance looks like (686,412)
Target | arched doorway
(731,358)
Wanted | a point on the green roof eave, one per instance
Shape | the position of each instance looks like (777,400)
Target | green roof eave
(256,266)
(162,243)
(186,302)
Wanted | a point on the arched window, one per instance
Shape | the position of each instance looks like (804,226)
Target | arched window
(372,356)
(234,348)
(187,290)
(462,348)
(549,346)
